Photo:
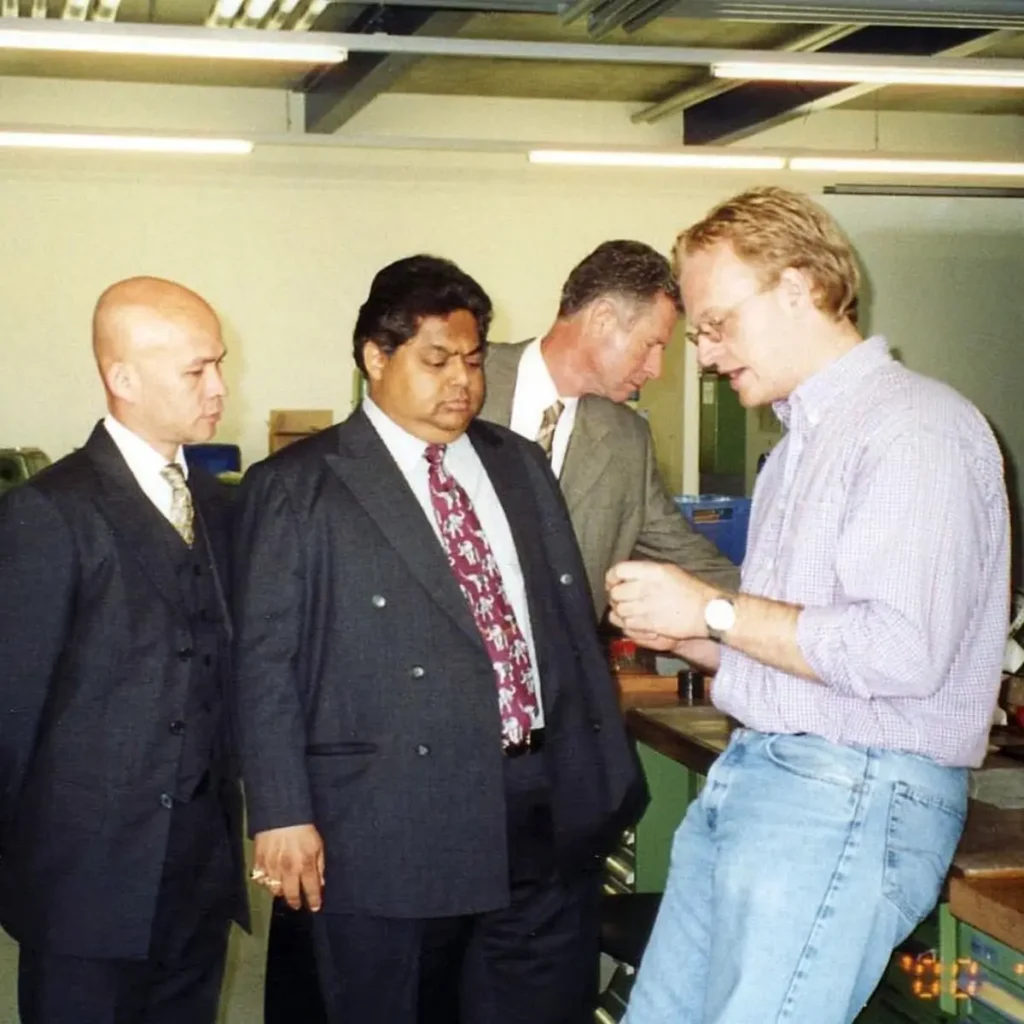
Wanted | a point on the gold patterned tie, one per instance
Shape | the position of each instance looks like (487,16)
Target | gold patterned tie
(548,423)
(182,513)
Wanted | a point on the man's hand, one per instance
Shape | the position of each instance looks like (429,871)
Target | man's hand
(703,654)
(657,601)
(290,863)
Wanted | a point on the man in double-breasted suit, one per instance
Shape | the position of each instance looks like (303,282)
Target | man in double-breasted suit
(566,390)
(432,750)
(120,810)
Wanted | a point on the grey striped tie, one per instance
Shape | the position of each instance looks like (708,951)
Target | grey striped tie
(548,424)
(182,513)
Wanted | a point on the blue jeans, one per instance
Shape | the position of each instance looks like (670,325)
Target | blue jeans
(793,875)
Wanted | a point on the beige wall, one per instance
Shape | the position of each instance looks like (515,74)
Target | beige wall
(285,250)
(285,242)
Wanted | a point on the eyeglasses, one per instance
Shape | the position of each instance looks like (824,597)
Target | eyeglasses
(712,328)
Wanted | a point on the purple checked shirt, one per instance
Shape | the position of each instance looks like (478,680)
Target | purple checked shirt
(883,513)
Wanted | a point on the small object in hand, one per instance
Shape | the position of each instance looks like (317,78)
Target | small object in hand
(258,874)
(690,686)
(623,652)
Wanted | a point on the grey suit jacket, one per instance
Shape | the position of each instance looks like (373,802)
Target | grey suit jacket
(617,501)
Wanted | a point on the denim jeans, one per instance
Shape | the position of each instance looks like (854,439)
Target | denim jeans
(793,875)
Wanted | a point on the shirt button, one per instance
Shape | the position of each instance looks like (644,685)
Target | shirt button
(379,600)
(422,749)
(417,672)
(166,800)
(565,579)
(177,727)
(185,654)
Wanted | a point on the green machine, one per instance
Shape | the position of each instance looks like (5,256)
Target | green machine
(18,464)
(723,438)
(989,978)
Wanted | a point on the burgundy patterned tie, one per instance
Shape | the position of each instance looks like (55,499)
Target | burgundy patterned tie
(479,578)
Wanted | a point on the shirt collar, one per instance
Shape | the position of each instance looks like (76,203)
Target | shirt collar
(405,448)
(542,385)
(141,456)
(813,399)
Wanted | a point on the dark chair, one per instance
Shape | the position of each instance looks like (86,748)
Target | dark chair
(626,923)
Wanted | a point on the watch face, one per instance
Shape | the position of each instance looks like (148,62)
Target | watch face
(720,614)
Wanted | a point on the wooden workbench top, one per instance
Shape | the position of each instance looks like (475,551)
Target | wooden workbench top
(992,905)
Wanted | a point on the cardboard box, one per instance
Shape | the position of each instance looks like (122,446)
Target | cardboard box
(289,425)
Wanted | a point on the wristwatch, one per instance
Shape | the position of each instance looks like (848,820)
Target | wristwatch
(719,617)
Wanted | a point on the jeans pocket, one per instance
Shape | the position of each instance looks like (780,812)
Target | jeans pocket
(921,837)
(812,757)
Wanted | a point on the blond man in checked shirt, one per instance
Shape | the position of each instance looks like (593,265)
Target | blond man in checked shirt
(862,655)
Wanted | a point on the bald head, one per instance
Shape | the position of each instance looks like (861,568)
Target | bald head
(158,348)
(132,312)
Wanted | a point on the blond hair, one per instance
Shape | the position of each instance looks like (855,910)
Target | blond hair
(772,229)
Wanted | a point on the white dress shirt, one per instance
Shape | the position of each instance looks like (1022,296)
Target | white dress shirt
(463,463)
(535,392)
(146,464)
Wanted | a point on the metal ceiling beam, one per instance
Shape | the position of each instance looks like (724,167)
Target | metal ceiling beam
(76,10)
(344,90)
(496,49)
(106,10)
(955,13)
(756,106)
(809,42)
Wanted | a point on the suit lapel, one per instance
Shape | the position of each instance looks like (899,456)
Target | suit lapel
(367,469)
(587,457)
(133,516)
(502,371)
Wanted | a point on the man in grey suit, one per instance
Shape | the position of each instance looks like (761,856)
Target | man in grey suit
(567,391)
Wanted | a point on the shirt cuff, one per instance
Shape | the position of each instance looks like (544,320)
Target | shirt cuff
(819,636)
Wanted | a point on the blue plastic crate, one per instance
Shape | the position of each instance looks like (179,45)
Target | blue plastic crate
(723,519)
(214,457)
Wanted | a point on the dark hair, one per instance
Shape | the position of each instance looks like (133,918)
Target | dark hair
(624,269)
(409,290)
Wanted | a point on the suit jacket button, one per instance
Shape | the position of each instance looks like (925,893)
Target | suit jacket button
(379,600)
(596,726)
(565,579)
(185,654)
(166,800)
(417,672)
(177,727)
(422,749)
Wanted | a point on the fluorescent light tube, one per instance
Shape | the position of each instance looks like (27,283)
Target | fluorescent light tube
(125,143)
(168,45)
(895,165)
(610,158)
(879,75)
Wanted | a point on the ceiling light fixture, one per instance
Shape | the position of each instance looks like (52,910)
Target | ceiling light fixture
(875,74)
(612,158)
(125,143)
(219,46)
(898,165)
